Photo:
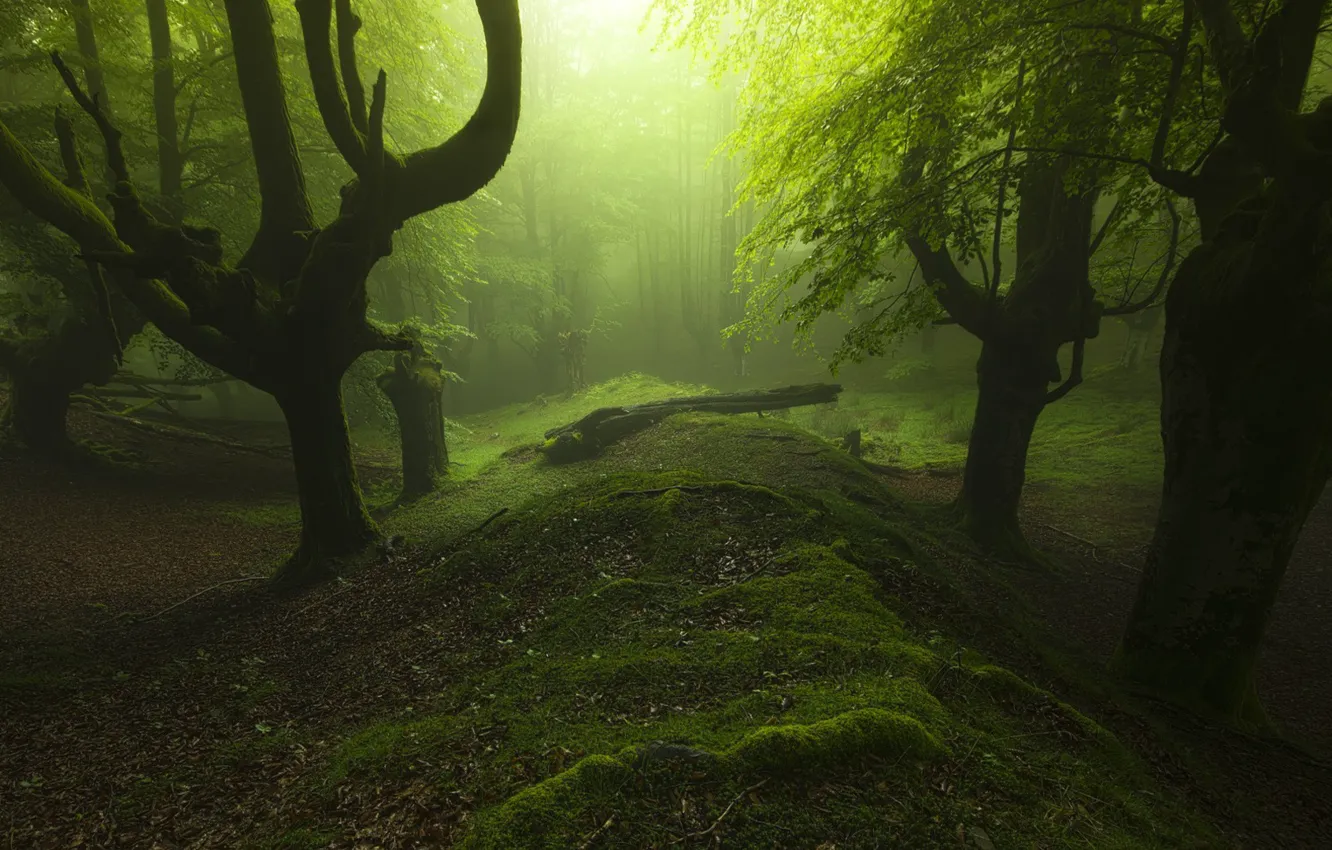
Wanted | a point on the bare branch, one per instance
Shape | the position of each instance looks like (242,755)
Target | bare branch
(1003,181)
(1172,254)
(76,179)
(1074,374)
(1110,219)
(461,166)
(316,18)
(285,203)
(1179,56)
(1225,39)
(349,25)
(115,156)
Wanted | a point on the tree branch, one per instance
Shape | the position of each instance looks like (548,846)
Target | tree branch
(349,25)
(76,179)
(1104,230)
(461,166)
(1225,40)
(1171,255)
(115,156)
(1003,180)
(316,19)
(965,303)
(1179,57)
(285,204)
(1074,374)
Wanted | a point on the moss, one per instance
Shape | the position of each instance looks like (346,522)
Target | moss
(544,815)
(840,741)
(735,587)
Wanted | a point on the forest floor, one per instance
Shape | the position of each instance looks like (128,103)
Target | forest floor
(88,585)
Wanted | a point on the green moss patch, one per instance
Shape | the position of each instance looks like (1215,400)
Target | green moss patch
(672,658)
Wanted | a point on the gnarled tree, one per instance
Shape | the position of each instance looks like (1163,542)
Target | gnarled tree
(290,316)
(1246,396)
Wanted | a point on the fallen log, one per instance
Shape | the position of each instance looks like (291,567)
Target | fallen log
(602,427)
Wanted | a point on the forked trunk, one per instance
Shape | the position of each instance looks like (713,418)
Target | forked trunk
(1247,454)
(36,412)
(334,521)
(415,386)
(1012,390)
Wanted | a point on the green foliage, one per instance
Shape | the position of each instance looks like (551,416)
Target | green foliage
(832,124)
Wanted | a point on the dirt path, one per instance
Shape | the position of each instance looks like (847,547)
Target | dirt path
(1088,602)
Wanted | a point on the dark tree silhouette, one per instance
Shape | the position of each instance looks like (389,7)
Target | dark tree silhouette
(290,317)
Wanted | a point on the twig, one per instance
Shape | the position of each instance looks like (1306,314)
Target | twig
(350,587)
(725,812)
(1071,536)
(201,593)
(591,839)
(496,515)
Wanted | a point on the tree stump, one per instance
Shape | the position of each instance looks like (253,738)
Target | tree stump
(415,387)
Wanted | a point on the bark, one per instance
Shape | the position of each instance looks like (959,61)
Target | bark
(277,251)
(1012,382)
(170,165)
(37,409)
(334,522)
(415,386)
(1247,454)
(86,34)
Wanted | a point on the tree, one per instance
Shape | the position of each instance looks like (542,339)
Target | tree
(1246,402)
(290,316)
(986,141)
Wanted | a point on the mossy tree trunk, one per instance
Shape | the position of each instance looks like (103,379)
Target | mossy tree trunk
(1246,414)
(1012,382)
(1248,449)
(334,521)
(292,316)
(37,409)
(415,386)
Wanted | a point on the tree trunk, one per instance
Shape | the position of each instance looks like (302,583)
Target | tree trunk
(334,522)
(1141,330)
(1247,454)
(416,388)
(1012,382)
(36,411)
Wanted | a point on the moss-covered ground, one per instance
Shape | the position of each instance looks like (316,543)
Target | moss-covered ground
(696,638)
(724,631)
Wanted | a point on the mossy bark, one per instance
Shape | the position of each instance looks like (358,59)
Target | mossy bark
(415,386)
(37,409)
(1248,449)
(1012,393)
(334,521)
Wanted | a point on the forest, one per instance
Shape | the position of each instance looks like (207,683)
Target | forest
(809,424)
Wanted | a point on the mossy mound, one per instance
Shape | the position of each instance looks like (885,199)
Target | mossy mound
(671,660)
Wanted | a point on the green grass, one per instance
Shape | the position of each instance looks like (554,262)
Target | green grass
(1102,432)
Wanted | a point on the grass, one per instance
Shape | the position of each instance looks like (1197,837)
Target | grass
(1103,431)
